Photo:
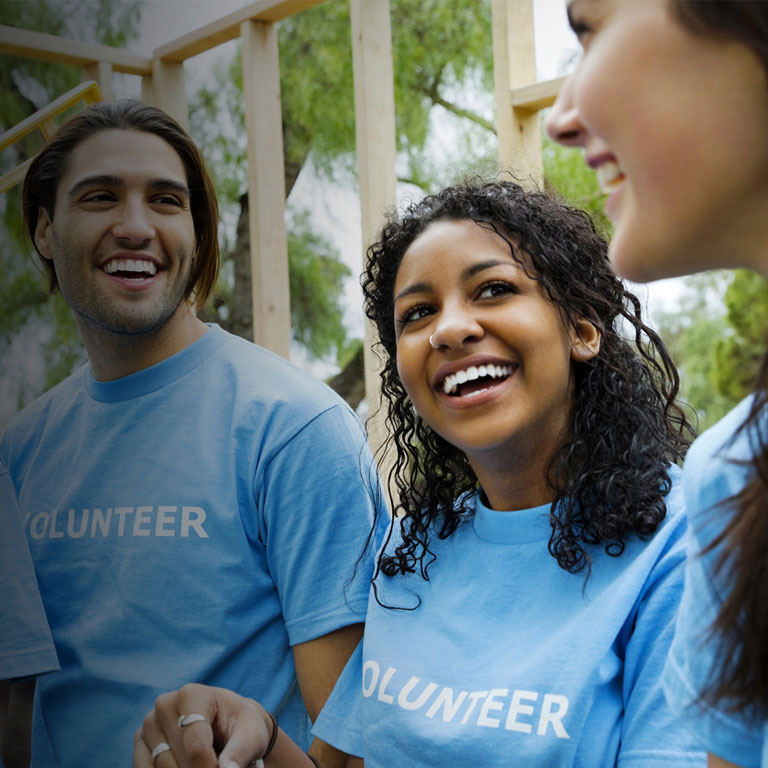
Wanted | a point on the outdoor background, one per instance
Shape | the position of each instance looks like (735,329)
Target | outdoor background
(715,324)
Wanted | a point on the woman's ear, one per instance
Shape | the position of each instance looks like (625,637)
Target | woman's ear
(585,341)
(44,234)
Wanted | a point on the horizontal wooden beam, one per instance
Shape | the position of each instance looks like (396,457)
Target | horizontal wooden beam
(228,28)
(537,95)
(36,45)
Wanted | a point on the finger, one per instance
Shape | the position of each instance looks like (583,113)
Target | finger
(150,749)
(249,733)
(197,738)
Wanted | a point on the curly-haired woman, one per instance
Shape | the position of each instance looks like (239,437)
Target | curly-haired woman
(527,584)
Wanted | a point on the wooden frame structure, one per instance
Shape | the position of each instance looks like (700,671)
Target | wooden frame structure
(518,100)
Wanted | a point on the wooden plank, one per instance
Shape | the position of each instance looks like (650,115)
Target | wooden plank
(87,92)
(100,72)
(36,45)
(376,152)
(166,90)
(228,27)
(270,289)
(13,177)
(514,65)
(537,95)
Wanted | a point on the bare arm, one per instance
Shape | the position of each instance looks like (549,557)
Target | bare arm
(713,761)
(319,663)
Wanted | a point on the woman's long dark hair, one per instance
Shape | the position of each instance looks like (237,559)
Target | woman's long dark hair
(740,680)
(611,474)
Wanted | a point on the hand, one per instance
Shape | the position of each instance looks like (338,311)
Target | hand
(238,730)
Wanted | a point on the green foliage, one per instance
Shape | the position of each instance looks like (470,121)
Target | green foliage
(690,333)
(738,353)
(316,275)
(568,176)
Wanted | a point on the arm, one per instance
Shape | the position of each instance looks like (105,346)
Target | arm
(319,663)
(241,726)
(713,761)
(16,698)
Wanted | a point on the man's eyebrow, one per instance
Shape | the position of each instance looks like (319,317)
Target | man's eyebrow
(107,180)
(96,180)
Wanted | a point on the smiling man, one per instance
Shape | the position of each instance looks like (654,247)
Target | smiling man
(194,504)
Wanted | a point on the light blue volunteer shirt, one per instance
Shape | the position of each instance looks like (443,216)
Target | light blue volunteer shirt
(710,476)
(190,522)
(502,658)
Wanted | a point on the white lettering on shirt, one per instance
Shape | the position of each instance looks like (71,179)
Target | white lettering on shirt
(96,523)
(516,708)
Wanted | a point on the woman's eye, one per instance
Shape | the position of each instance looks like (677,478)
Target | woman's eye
(491,290)
(413,314)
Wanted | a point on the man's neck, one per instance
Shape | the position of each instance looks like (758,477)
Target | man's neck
(114,356)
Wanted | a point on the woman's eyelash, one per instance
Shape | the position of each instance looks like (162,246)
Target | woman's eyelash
(410,314)
(501,285)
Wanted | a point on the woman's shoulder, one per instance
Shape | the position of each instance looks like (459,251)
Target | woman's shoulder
(718,463)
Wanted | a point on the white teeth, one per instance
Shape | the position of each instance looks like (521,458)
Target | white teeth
(472,373)
(609,176)
(130,265)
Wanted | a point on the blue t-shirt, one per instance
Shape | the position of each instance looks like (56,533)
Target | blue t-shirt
(26,645)
(503,658)
(714,471)
(190,522)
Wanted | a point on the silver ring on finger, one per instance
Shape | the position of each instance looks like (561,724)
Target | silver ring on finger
(186,720)
(159,749)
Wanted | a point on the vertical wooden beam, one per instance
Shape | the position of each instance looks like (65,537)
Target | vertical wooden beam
(266,187)
(514,65)
(166,90)
(101,73)
(375,140)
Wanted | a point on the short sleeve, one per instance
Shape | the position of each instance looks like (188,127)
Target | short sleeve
(317,497)
(26,645)
(340,721)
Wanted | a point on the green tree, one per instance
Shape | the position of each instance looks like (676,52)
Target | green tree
(737,353)
(690,333)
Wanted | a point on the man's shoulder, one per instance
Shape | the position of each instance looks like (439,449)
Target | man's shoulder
(58,398)
(56,404)
(270,377)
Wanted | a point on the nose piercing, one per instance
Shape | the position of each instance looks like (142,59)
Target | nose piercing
(432,343)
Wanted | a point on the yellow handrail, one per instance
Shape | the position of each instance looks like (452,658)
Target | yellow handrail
(87,92)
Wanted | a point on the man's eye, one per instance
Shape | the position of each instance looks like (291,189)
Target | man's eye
(98,197)
(167,200)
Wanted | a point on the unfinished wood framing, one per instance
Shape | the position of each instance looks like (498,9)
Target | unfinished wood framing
(166,90)
(36,45)
(99,72)
(514,66)
(266,187)
(228,28)
(376,149)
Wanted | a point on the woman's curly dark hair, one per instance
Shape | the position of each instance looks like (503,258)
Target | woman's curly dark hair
(611,475)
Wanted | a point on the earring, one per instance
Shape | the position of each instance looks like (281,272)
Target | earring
(432,343)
